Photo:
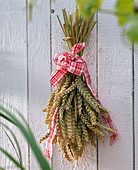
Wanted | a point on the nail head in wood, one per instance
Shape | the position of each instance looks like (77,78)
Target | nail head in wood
(52,11)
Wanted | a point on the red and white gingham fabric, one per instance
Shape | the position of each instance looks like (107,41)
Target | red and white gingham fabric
(71,62)
(110,124)
(49,148)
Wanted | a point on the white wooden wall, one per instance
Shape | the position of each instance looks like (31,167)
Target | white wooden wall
(26,50)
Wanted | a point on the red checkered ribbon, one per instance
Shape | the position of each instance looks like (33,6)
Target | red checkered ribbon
(71,62)
(49,148)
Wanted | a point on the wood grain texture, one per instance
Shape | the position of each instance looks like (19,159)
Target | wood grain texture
(25,73)
(88,160)
(13,70)
(39,71)
(115,91)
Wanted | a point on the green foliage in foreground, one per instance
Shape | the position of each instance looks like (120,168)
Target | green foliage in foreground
(128,18)
(88,6)
(126,7)
(132,28)
(126,12)
(26,132)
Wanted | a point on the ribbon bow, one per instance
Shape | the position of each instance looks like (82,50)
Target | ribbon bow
(71,62)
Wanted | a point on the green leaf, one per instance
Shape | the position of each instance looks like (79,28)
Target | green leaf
(11,142)
(126,8)
(2,168)
(7,118)
(29,137)
(19,114)
(12,159)
(88,6)
(15,139)
(132,28)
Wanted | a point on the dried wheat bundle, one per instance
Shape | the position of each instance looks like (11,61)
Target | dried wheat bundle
(78,116)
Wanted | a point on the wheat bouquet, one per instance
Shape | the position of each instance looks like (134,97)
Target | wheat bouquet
(74,114)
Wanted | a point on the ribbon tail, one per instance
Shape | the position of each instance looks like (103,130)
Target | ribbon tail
(48,152)
(109,124)
(107,121)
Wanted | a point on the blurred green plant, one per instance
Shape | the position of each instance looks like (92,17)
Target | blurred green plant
(130,18)
(23,126)
(125,10)
(88,6)
(31,4)
(132,28)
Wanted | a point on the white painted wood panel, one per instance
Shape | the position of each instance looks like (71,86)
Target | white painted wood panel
(13,70)
(115,91)
(39,71)
(89,158)
(25,73)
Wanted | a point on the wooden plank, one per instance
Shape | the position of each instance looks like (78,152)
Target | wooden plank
(39,71)
(88,160)
(115,91)
(13,70)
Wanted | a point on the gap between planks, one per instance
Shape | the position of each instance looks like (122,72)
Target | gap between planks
(51,60)
(27,77)
(97,75)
